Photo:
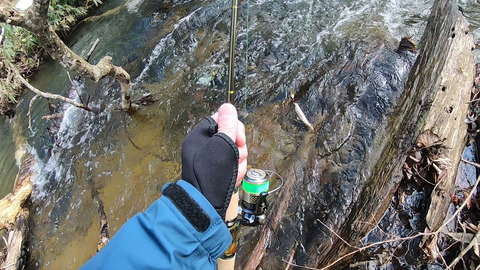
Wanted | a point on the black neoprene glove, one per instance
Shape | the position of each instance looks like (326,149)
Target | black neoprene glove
(210,163)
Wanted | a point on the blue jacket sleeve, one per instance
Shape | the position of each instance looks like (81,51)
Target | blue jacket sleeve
(181,230)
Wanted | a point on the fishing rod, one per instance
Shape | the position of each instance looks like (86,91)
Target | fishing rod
(231,61)
(227,261)
(256,182)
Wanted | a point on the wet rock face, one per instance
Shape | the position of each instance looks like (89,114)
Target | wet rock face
(332,165)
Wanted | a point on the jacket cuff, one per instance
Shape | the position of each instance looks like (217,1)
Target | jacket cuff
(198,216)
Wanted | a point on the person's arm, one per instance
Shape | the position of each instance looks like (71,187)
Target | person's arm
(181,230)
(185,228)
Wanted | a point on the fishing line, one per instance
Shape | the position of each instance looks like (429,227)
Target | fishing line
(246,59)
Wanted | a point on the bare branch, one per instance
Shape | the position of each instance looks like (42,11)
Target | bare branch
(47,95)
(35,20)
(338,236)
(52,96)
(471,163)
(290,261)
(364,247)
(70,60)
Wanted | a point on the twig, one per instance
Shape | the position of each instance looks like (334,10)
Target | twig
(338,236)
(70,78)
(304,267)
(464,251)
(30,112)
(46,95)
(75,88)
(359,249)
(423,178)
(8,266)
(49,95)
(471,163)
(53,116)
(290,261)
(302,116)
(92,49)
(460,208)
(1,35)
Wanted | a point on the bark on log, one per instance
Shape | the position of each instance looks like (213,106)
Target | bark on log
(435,98)
(448,112)
(12,203)
(13,207)
(16,238)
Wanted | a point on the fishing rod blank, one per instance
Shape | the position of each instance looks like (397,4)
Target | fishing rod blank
(231,62)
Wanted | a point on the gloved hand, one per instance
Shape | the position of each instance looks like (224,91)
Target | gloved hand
(214,157)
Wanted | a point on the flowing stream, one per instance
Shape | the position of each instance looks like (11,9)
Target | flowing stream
(338,56)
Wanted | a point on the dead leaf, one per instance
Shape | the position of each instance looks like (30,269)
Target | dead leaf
(469,201)
(428,139)
(455,199)
(417,160)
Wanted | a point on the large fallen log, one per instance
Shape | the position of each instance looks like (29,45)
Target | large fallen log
(435,99)
(14,213)
(14,206)
(453,84)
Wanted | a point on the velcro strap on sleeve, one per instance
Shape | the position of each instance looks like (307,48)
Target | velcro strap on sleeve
(189,208)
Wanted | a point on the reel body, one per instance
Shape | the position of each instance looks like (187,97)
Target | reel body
(253,198)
